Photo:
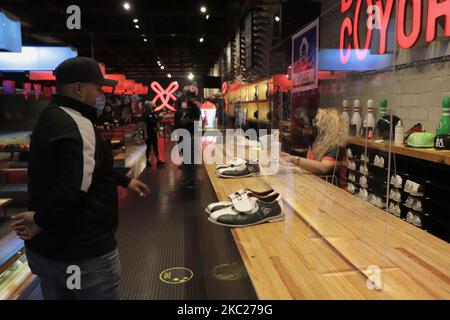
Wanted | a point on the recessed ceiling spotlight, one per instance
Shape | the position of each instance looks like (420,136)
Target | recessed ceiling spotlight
(201,40)
(127,6)
(191,76)
(169,75)
(162,67)
(203,9)
(145,40)
(135,20)
(277,19)
(136,26)
(207,17)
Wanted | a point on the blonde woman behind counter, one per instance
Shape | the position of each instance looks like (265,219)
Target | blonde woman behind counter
(327,155)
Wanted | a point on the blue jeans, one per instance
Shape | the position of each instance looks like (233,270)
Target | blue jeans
(91,279)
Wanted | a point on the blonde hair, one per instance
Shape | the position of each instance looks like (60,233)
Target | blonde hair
(332,132)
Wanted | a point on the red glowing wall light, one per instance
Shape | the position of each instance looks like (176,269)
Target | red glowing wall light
(42,76)
(108,89)
(165,95)
(53,89)
(120,78)
(129,84)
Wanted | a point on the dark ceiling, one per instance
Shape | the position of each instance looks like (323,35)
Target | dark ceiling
(172,27)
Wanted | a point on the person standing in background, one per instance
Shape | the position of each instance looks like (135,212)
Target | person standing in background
(151,120)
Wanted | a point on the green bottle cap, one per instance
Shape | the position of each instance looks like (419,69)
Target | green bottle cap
(383,104)
(446,102)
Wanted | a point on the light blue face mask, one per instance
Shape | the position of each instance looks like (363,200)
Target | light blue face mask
(100,103)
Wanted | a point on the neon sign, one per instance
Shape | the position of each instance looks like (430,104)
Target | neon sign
(349,38)
(165,95)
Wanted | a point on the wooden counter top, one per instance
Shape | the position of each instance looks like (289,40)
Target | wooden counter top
(324,248)
(429,154)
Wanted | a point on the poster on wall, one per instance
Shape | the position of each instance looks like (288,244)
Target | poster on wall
(249,41)
(305,58)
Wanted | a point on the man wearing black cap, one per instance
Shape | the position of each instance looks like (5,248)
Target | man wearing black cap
(69,230)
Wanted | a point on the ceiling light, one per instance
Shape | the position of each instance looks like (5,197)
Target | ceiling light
(173,35)
(201,40)
(159,63)
(191,76)
(169,75)
(162,67)
(136,26)
(145,40)
(126,6)
(207,17)
(135,20)
(277,19)
(203,9)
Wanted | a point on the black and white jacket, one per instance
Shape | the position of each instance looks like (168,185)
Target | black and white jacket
(72,184)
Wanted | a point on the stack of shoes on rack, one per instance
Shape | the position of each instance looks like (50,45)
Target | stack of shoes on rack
(394,208)
(363,181)
(363,194)
(397,181)
(414,188)
(351,188)
(247,209)
(363,169)
(395,195)
(238,168)
(351,165)
(352,177)
(414,219)
(409,202)
(349,153)
(378,161)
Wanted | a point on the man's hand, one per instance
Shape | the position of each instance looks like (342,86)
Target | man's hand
(24,225)
(140,188)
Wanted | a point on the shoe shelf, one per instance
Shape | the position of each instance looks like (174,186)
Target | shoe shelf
(428,154)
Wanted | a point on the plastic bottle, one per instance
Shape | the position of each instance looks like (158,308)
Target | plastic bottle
(399,133)
(355,127)
(444,123)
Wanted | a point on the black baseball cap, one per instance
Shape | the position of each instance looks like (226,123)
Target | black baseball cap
(81,69)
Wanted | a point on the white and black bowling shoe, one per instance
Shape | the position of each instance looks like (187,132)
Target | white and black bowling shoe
(268,210)
(233,163)
(237,196)
(246,169)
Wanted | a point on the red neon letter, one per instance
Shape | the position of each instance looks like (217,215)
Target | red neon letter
(407,41)
(436,10)
(346,4)
(347,24)
(385,15)
(361,54)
